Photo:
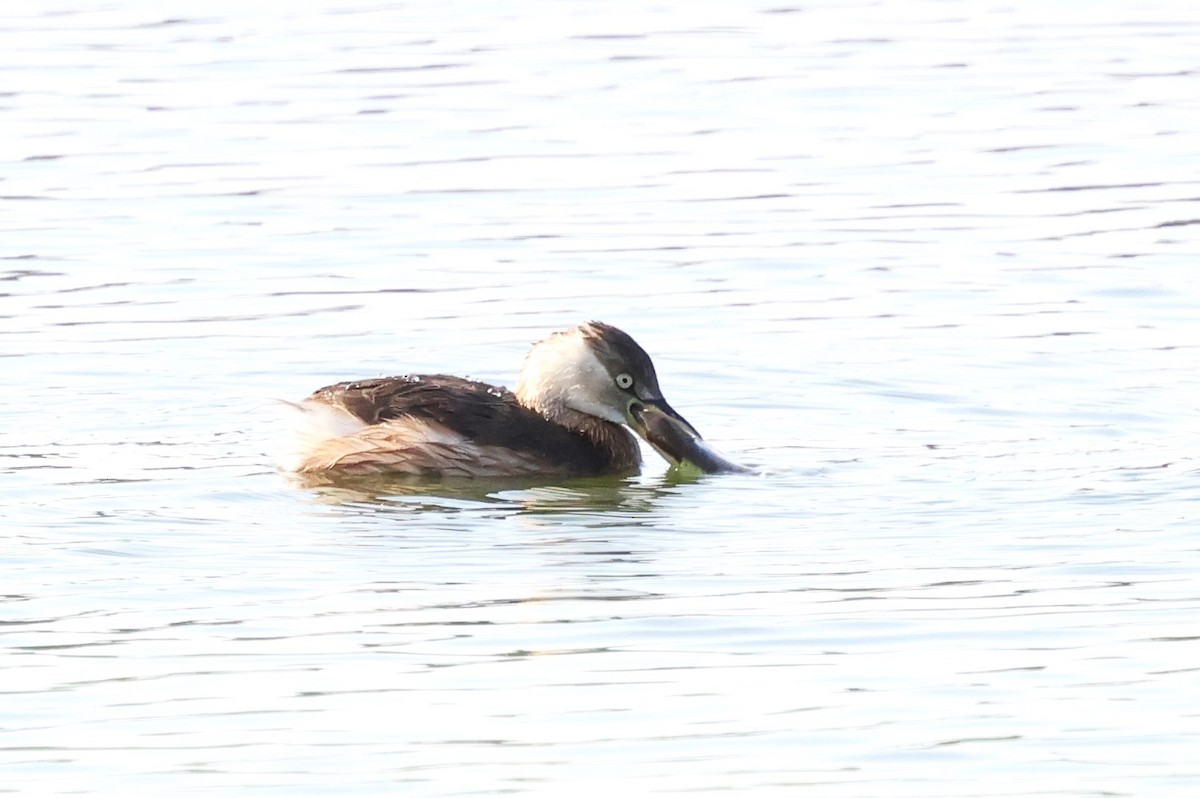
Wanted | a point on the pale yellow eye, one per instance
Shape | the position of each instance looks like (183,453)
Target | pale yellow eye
(624,382)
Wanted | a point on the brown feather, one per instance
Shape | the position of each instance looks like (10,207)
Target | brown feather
(448,426)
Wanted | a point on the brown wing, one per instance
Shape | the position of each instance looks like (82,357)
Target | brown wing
(486,415)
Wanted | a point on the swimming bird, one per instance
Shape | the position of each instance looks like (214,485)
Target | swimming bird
(577,392)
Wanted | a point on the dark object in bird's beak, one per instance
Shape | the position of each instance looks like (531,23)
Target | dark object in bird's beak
(675,439)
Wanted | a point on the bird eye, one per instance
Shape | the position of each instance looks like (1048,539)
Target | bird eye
(624,381)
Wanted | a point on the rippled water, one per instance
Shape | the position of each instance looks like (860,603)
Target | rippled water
(929,266)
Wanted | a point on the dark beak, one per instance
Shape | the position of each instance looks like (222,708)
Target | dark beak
(675,439)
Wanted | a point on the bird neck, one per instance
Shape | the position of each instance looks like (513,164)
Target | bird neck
(617,443)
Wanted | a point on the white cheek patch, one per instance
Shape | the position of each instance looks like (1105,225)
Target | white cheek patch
(592,385)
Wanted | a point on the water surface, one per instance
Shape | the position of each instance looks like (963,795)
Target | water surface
(927,266)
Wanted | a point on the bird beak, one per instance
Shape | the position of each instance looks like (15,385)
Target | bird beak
(674,438)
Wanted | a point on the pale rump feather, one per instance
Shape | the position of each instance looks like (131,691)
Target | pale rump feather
(309,426)
(330,439)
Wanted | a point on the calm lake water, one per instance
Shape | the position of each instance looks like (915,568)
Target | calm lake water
(931,267)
